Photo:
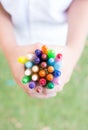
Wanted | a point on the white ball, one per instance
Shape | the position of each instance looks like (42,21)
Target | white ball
(35,68)
(28,72)
(30,56)
(34,77)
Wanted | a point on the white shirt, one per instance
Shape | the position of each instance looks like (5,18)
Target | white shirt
(42,21)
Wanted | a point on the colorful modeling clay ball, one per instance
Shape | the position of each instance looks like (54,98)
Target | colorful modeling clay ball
(32,84)
(49,77)
(35,68)
(38,53)
(28,72)
(44,56)
(42,82)
(50,85)
(34,77)
(26,79)
(56,73)
(57,65)
(56,81)
(30,57)
(51,54)
(28,64)
(43,64)
(42,73)
(51,61)
(44,49)
(50,69)
(22,59)
(59,57)
(36,60)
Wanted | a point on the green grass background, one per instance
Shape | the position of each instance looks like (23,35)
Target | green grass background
(67,111)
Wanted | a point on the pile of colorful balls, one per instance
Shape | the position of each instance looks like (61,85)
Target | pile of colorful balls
(41,68)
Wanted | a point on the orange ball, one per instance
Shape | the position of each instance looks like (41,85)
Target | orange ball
(42,73)
(50,69)
(49,77)
(44,49)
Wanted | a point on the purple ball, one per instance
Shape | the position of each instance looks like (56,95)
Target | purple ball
(38,53)
(36,60)
(32,85)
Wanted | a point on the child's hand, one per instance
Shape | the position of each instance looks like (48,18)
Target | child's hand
(18,69)
(68,63)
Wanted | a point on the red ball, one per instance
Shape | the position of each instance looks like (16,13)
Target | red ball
(43,64)
(42,81)
(44,57)
(59,57)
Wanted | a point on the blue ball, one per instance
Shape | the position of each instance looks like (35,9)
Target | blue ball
(36,60)
(38,53)
(57,65)
(56,73)
(32,85)
(51,61)
(28,64)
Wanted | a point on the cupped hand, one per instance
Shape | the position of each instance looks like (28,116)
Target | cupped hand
(18,69)
(69,61)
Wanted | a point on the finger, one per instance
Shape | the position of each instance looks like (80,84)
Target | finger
(47,91)
(38,92)
(53,91)
(37,95)
(33,93)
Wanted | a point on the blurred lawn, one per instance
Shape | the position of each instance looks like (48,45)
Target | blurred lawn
(67,111)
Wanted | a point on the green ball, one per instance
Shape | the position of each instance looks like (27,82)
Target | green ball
(26,79)
(50,85)
(51,54)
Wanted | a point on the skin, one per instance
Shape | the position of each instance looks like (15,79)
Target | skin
(77,32)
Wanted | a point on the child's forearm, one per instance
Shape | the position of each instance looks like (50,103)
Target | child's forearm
(7,38)
(8,41)
(78,25)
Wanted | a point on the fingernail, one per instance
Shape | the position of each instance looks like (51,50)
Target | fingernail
(39,89)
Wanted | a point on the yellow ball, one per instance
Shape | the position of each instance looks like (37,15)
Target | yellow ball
(22,59)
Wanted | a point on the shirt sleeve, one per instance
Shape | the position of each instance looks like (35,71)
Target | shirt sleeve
(17,10)
(7,5)
(13,7)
